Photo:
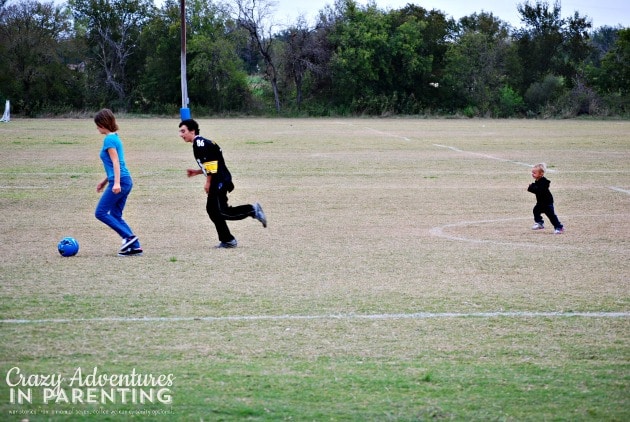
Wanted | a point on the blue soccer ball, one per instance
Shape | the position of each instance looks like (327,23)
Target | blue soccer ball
(68,246)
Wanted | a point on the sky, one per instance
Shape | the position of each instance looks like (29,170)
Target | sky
(602,12)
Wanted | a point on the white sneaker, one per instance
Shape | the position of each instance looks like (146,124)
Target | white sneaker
(559,231)
(127,242)
(538,226)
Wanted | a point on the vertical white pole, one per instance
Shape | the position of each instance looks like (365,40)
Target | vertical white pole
(6,117)
(185,111)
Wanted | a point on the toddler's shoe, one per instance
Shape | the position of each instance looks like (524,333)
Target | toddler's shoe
(227,245)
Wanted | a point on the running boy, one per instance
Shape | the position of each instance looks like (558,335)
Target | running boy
(218,183)
(544,200)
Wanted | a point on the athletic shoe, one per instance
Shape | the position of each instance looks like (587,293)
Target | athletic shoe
(538,226)
(131,252)
(128,241)
(559,231)
(227,245)
(259,214)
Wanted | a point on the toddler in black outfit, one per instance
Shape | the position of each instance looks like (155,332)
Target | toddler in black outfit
(544,200)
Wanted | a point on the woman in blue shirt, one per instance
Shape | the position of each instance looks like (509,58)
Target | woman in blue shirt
(110,208)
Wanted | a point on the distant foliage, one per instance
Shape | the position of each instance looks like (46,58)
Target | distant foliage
(354,60)
(540,94)
(510,104)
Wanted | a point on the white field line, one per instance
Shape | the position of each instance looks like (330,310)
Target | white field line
(439,231)
(415,315)
(380,132)
(619,189)
(25,187)
(319,154)
(391,135)
(491,157)
(42,173)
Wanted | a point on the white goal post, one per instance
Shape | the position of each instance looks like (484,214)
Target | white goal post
(7,112)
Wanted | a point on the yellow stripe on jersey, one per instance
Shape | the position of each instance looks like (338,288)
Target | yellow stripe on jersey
(211,166)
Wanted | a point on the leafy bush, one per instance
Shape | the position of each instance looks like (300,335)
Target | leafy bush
(581,100)
(540,94)
(470,111)
(509,103)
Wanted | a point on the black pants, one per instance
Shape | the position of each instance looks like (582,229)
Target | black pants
(219,211)
(549,211)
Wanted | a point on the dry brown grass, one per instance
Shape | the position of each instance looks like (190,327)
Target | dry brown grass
(366,216)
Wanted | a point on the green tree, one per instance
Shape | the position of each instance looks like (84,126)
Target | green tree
(615,70)
(509,103)
(612,78)
(538,43)
(216,76)
(381,61)
(160,83)
(112,30)
(301,57)
(34,38)
(256,17)
(478,64)
(437,34)
(361,59)
(549,44)
(575,47)
(216,79)
(540,94)
(602,40)
(307,59)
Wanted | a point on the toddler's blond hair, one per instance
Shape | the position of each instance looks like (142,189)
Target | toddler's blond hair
(541,166)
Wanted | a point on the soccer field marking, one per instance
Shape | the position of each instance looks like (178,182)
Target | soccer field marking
(380,132)
(455,149)
(413,315)
(619,189)
(25,187)
(391,135)
(439,231)
(490,157)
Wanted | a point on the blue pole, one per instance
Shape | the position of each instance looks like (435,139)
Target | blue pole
(184,113)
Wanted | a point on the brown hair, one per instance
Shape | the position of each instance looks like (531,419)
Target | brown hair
(192,125)
(105,119)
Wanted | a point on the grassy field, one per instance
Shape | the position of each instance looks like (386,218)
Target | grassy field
(398,280)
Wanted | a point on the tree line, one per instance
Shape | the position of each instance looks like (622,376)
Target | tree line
(82,55)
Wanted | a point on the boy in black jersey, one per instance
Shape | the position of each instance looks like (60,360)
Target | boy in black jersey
(218,183)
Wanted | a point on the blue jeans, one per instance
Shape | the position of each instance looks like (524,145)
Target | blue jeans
(110,208)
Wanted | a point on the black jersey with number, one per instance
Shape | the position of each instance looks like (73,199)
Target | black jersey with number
(210,159)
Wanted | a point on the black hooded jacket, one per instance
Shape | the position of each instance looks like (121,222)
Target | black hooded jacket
(540,188)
